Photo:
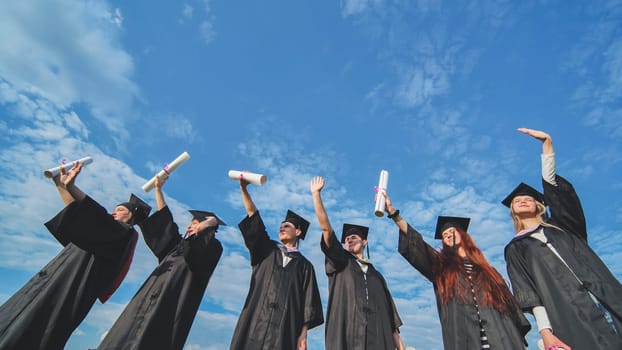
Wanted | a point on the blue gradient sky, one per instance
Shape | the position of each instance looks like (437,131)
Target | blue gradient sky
(431,91)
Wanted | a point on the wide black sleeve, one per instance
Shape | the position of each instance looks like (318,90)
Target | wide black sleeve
(417,252)
(336,257)
(202,251)
(523,286)
(395,319)
(313,314)
(256,238)
(89,226)
(565,207)
(160,232)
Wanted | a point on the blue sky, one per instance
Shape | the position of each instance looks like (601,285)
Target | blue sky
(431,91)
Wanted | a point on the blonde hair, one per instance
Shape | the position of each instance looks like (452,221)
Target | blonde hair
(540,214)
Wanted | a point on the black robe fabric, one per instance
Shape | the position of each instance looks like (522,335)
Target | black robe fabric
(160,315)
(47,309)
(539,278)
(361,314)
(459,321)
(280,299)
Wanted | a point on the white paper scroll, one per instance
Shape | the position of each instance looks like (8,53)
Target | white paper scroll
(382,188)
(55,171)
(255,179)
(168,170)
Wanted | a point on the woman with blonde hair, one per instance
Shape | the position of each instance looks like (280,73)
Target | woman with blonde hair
(576,301)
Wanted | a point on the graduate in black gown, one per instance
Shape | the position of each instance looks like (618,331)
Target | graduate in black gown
(475,305)
(361,314)
(283,300)
(98,250)
(576,301)
(160,315)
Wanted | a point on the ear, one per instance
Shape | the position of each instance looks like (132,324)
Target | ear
(298,232)
(364,243)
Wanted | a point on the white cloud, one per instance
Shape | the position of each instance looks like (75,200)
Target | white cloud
(187,11)
(68,52)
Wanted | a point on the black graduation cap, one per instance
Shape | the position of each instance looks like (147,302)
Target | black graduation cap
(445,222)
(298,221)
(201,216)
(351,229)
(523,190)
(139,209)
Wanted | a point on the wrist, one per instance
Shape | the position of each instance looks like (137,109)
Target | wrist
(394,215)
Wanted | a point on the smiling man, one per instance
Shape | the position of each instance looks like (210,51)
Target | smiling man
(361,313)
(283,301)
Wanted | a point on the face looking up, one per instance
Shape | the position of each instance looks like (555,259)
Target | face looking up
(288,233)
(524,204)
(122,214)
(448,237)
(355,244)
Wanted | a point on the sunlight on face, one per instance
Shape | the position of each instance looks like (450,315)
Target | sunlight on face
(448,237)
(121,213)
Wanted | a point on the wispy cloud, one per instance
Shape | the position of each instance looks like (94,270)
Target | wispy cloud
(68,52)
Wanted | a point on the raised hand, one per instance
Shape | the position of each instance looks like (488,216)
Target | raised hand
(67,179)
(537,134)
(547,141)
(316,184)
(160,181)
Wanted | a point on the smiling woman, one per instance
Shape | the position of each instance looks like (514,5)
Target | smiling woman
(475,306)
(555,274)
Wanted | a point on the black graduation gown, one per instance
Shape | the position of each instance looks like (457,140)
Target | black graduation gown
(361,314)
(160,315)
(539,278)
(280,299)
(459,321)
(47,309)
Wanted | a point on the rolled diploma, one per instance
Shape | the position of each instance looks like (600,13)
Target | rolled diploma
(149,185)
(55,171)
(255,179)
(382,187)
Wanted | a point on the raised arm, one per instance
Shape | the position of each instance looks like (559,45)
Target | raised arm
(394,214)
(316,186)
(246,198)
(65,184)
(159,196)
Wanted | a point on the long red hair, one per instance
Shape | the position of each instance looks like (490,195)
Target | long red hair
(490,287)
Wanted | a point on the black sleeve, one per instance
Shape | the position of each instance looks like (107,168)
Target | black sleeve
(256,238)
(417,252)
(565,207)
(313,314)
(160,232)
(336,256)
(523,286)
(202,251)
(89,226)
(397,321)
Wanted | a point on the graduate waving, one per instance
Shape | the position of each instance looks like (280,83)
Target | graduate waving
(576,300)
(283,300)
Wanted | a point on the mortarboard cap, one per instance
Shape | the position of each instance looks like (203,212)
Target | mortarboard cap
(445,222)
(523,190)
(201,216)
(139,209)
(351,229)
(298,221)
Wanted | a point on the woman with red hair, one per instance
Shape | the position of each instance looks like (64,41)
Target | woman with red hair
(476,307)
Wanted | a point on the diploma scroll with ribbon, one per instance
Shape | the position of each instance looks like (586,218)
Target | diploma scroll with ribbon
(168,170)
(255,179)
(55,171)
(382,188)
